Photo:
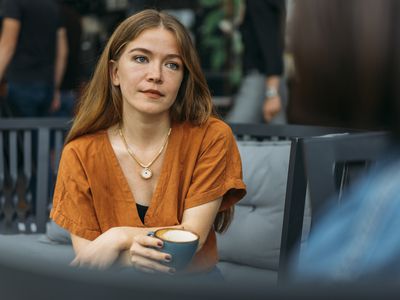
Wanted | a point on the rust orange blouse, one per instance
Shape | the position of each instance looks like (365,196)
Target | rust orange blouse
(201,164)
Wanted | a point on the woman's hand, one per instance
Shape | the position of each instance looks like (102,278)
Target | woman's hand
(146,257)
(100,253)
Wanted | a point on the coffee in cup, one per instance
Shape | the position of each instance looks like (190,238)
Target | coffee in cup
(180,244)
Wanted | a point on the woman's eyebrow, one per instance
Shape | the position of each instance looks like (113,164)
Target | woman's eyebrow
(140,49)
(147,51)
(169,56)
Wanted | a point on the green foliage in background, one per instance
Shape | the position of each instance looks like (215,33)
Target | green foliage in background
(211,40)
(222,46)
(210,3)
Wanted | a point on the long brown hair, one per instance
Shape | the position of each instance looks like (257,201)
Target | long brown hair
(347,63)
(101,103)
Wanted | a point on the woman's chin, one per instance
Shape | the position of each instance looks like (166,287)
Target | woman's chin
(154,111)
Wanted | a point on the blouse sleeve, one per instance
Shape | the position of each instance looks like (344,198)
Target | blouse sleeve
(73,207)
(218,171)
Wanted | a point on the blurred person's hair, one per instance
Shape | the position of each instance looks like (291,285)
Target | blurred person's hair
(101,103)
(347,63)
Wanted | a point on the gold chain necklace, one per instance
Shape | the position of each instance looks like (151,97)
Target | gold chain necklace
(146,173)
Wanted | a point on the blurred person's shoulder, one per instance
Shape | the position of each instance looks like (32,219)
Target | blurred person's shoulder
(12,8)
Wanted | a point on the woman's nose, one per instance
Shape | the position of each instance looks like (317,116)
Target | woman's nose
(154,73)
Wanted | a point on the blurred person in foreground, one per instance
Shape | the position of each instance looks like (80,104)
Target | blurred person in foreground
(146,151)
(348,67)
(33,51)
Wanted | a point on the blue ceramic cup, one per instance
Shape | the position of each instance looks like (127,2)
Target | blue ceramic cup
(180,244)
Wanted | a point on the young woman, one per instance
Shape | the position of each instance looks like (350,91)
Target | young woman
(145,152)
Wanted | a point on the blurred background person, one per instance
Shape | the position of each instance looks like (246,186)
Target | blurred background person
(348,71)
(33,51)
(262,30)
(73,77)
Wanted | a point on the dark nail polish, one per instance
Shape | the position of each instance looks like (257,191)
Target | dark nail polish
(160,244)
(167,258)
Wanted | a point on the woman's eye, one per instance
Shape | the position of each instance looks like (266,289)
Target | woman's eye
(173,66)
(140,59)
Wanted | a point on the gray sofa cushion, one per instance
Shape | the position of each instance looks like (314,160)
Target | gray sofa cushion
(38,246)
(233,272)
(254,237)
(57,234)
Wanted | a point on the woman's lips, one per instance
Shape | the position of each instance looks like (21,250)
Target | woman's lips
(154,94)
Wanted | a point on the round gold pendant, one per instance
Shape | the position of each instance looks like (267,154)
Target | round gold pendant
(146,173)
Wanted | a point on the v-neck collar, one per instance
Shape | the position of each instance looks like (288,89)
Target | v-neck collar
(162,179)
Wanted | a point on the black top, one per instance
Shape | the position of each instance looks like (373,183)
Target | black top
(263,36)
(34,56)
(142,210)
(72,22)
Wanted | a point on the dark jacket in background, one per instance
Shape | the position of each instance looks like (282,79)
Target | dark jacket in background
(73,25)
(34,56)
(263,36)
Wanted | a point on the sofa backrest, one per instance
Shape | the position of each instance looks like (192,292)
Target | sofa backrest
(254,235)
(275,215)
(253,239)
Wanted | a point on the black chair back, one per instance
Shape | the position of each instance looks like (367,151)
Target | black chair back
(333,163)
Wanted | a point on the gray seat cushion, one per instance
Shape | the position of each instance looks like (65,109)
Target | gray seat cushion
(234,272)
(38,246)
(254,237)
(57,234)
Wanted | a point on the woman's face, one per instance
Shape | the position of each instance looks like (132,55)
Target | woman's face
(149,72)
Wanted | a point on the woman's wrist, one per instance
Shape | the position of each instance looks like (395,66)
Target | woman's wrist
(124,236)
(120,238)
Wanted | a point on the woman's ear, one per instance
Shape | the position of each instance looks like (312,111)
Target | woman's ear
(113,69)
